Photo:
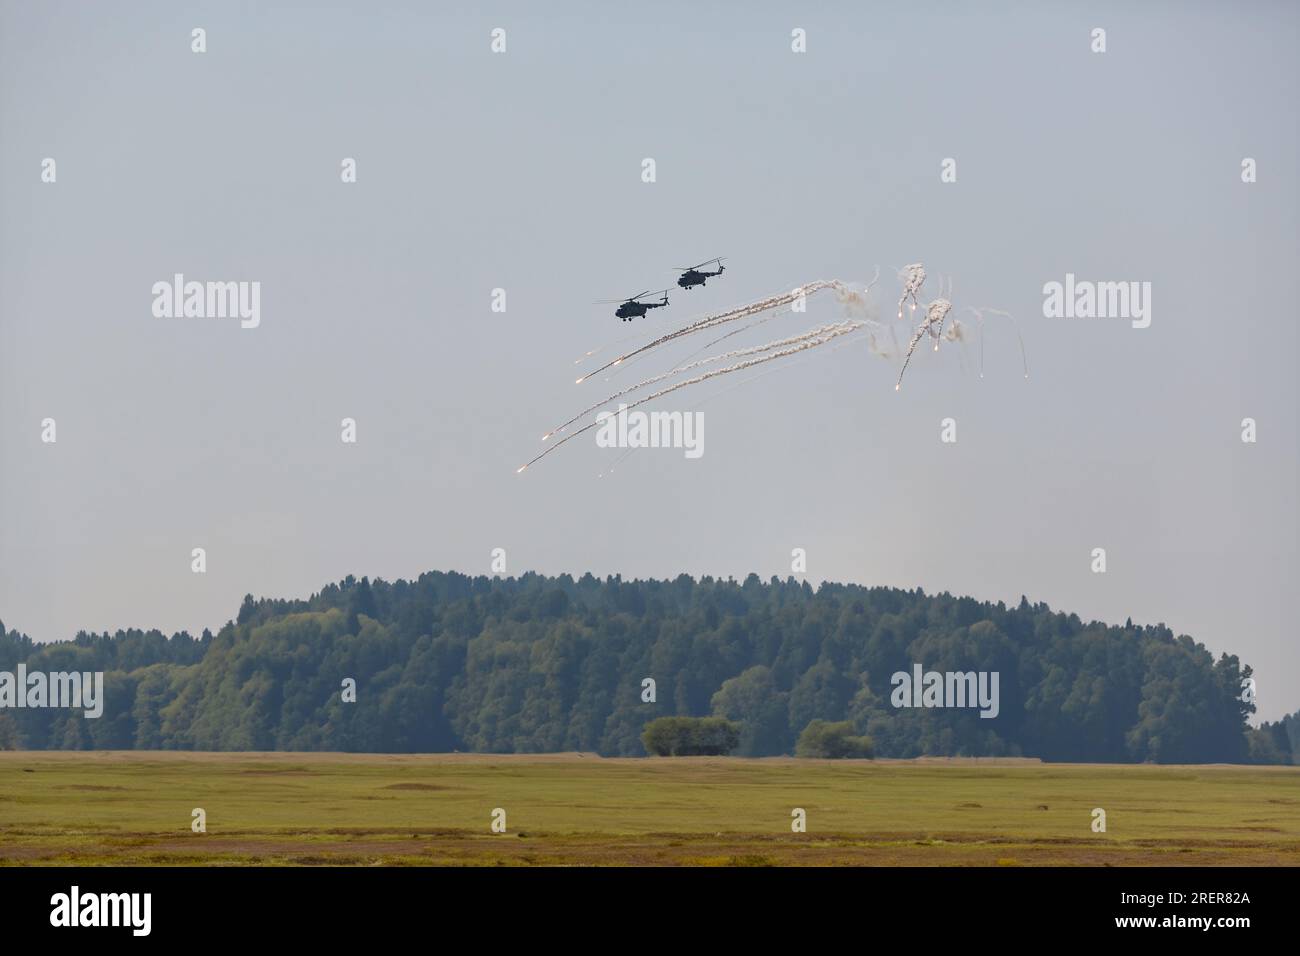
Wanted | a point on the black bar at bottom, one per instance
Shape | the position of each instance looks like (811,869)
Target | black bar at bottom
(334,905)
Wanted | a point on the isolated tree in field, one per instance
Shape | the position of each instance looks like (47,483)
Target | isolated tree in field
(822,738)
(690,736)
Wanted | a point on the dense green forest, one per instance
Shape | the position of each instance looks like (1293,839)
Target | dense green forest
(534,664)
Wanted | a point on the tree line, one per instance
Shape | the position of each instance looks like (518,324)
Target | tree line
(537,664)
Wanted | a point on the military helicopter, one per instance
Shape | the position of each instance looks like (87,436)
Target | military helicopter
(693,275)
(632,308)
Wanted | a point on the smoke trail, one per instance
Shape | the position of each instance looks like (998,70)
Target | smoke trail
(912,277)
(735,353)
(703,348)
(935,314)
(721,318)
(856,303)
(743,328)
(979,314)
(744,380)
(841,329)
(607,345)
(853,302)
(600,348)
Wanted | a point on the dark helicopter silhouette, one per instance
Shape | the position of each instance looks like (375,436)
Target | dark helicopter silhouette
(631,308)
(693,275)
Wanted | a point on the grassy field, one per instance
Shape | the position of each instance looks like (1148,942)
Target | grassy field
(135,808)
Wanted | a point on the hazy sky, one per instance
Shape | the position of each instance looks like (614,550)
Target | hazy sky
(522,171)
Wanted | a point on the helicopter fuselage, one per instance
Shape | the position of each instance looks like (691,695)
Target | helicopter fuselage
(634,310)
(694,277)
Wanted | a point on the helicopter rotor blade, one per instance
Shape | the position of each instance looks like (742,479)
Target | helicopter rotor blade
(698,264)
(630,298)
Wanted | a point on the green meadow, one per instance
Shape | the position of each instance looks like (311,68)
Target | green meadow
(136,808)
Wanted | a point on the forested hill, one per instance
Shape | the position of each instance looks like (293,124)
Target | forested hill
(535,664)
